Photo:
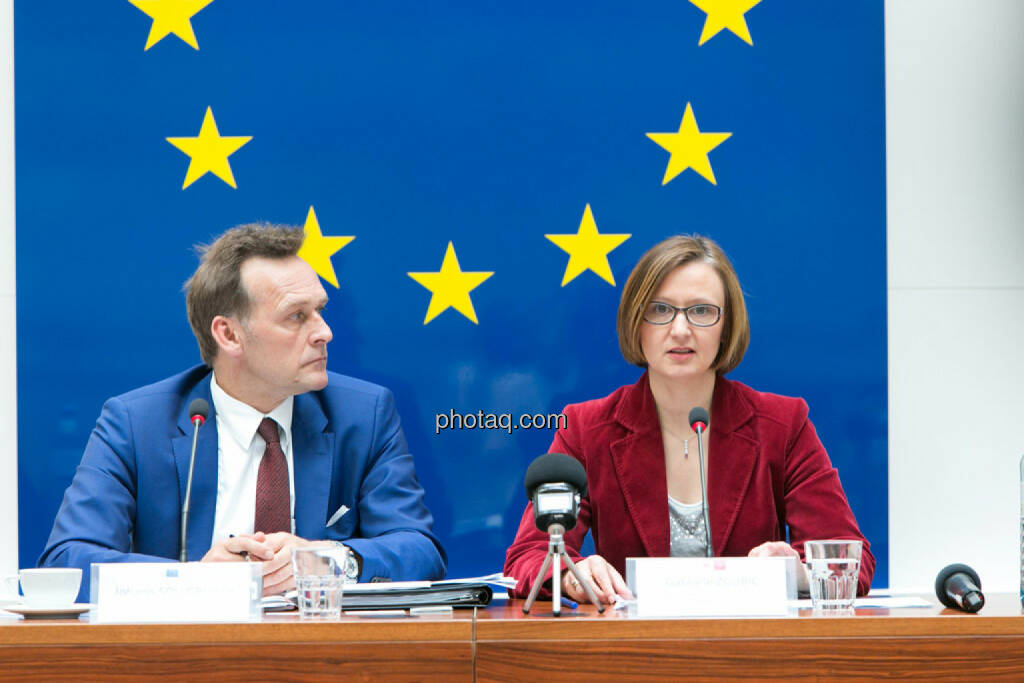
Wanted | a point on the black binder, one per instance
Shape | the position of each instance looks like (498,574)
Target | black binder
(453,594)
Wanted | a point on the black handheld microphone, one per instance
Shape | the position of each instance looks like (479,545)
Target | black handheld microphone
(958,587)
(698,423)
(554,484)
(197,412)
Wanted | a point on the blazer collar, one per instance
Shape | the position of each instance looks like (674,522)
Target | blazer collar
(730,410)
(639,460)
(637,411)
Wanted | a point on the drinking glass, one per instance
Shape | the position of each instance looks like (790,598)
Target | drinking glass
(319,579)
(833,568)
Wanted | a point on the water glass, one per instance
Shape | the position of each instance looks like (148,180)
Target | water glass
(319,579)
(833,568)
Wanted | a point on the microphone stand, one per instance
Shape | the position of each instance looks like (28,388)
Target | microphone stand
(704,489)
(556,553)
(183,555)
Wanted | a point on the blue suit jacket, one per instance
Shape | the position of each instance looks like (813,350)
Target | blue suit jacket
(124,504)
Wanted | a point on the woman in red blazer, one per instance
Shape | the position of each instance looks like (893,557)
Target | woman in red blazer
(682,316)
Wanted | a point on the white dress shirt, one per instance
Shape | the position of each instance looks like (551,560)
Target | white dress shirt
(239,451)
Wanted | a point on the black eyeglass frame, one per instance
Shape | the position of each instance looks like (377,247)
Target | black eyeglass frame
(685,310)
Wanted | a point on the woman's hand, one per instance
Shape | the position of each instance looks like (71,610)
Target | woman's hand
(604,578)
(783,549)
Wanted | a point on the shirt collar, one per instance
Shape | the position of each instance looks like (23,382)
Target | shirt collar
(239,420)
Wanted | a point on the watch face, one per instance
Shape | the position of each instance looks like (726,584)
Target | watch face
(351,568)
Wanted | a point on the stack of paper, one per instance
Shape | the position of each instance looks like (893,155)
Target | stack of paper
(471,592)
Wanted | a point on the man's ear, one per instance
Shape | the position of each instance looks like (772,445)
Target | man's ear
(227,332)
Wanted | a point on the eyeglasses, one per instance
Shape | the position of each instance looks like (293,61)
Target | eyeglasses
(700,315)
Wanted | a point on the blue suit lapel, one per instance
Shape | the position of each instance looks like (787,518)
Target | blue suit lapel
(203,504)
(311,458)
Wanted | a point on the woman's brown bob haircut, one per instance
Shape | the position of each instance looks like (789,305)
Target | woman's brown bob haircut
(651,271)
(216,288)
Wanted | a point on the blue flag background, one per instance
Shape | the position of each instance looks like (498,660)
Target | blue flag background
(483,124)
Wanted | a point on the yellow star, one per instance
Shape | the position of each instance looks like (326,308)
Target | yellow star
(450,287)
(209,152)
(725,14)
(588,249)
(171,16)
(316,250)
(689,148)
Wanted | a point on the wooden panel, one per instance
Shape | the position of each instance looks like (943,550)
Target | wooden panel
(275,629)
(1000,616)
(281,647)
(930,643)
(931,658)
(349,661)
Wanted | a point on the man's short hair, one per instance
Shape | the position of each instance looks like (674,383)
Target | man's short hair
(651,271)
(216,287)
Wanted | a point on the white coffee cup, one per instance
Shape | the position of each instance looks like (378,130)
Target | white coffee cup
(48,586)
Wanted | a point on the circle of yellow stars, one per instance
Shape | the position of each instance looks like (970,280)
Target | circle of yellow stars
(450,286)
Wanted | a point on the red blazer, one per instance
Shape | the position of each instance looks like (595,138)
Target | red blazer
(766,470)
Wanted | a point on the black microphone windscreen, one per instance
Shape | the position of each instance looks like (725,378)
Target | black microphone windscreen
(554,468)
(940,581)
(198,407)
(698,414)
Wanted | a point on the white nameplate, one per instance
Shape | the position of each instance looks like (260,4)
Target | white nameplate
(708,586)
(175,592)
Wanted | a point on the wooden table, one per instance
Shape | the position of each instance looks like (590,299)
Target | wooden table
(280,648)
(500,643)
(929,643)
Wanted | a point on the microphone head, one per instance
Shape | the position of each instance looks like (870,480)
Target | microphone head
(198,409)
(554,468)
(945,574)
(699,416)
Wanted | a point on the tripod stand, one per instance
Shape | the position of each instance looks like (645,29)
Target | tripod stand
(556,553)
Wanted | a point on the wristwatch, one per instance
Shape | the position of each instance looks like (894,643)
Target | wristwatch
(353,563)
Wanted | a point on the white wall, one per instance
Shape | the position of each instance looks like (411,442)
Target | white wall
(955,130)
(8,365)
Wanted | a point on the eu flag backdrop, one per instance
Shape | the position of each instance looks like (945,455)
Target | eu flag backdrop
(496,169)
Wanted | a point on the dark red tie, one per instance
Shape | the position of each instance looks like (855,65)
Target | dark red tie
(273,499)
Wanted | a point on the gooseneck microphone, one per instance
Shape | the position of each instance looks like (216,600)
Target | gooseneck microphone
(698,423)
(958,587)
(197,412)
(555,483)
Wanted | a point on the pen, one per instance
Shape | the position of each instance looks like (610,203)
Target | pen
(244,553)
(566,602)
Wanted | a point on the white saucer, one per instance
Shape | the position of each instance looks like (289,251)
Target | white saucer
(63,612)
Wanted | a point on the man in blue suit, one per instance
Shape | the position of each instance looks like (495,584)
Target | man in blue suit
(289,452)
